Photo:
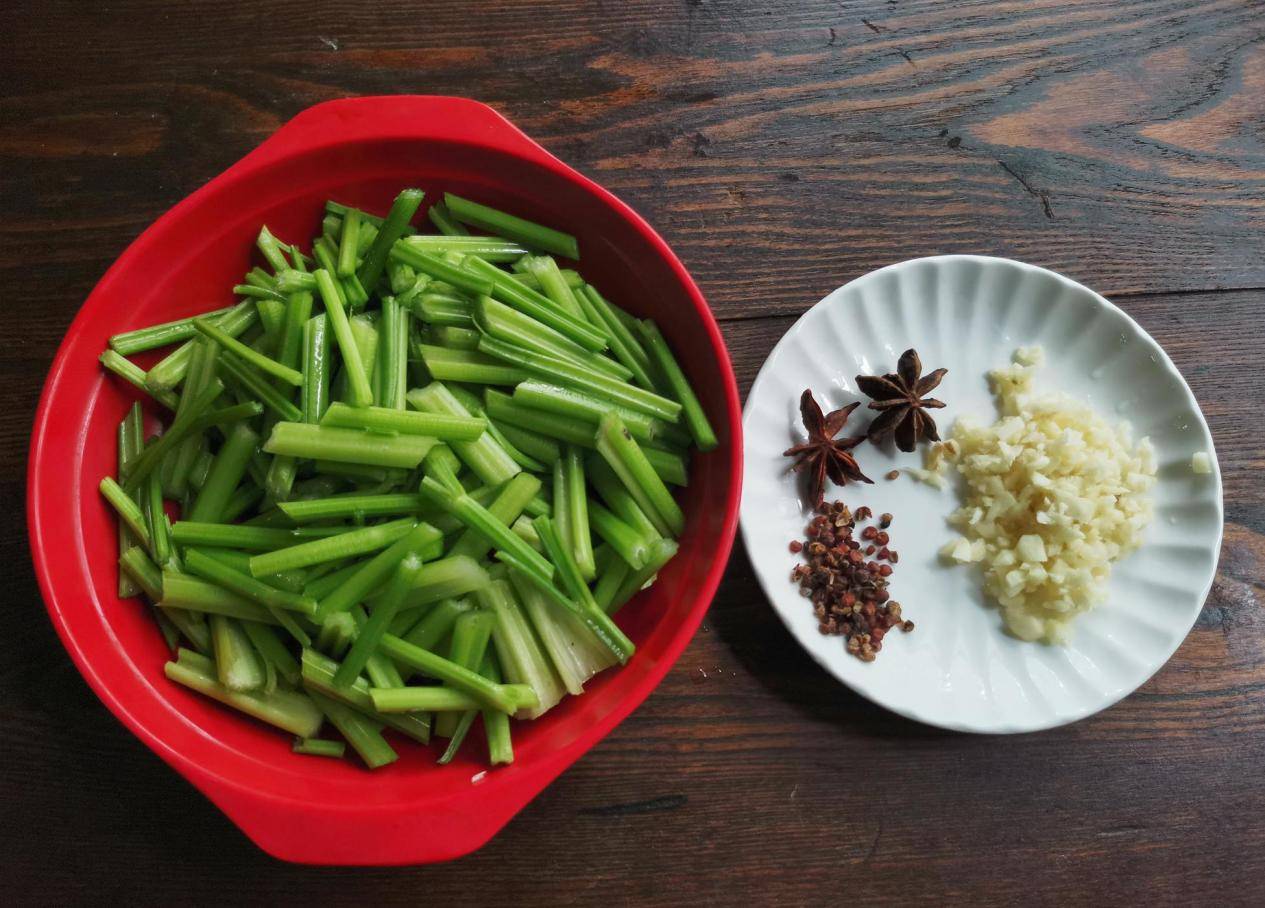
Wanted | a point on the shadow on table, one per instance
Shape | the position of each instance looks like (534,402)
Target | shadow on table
(743,618)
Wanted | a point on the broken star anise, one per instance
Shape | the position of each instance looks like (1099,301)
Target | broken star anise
(901,396)
(823,456)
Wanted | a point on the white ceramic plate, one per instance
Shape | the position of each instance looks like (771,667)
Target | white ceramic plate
(958,669)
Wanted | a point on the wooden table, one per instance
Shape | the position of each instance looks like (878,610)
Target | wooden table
(782,147)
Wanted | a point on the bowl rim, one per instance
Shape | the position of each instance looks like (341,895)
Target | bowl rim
(1163,360)
(256,812)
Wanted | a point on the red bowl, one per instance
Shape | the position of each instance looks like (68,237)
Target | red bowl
(360,151)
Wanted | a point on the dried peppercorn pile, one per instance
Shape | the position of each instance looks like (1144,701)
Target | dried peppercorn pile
(846,578)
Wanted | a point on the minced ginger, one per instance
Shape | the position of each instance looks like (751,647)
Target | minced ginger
(1053,496)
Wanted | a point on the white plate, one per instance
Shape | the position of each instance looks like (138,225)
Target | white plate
(957,669)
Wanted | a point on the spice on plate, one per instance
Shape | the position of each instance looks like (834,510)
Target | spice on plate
(894,474)
(902,398)
(1052,495)
(849,594)
(823,456)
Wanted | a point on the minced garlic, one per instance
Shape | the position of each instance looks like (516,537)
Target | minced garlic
(1200,462)
(1053,496)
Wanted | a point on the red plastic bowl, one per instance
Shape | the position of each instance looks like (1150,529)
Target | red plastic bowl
(360,151)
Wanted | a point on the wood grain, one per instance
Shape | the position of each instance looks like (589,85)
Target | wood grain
(782,148)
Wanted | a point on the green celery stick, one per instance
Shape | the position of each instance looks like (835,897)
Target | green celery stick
(407,422)
(691,410)
(500,223)
(626,458)
(286,709)
(384,611)
(352,446)
(332,548)
(423,540)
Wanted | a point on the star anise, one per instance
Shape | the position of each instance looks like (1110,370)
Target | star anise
(823,456)
(901,396)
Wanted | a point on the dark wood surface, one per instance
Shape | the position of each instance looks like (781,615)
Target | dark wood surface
(782,147)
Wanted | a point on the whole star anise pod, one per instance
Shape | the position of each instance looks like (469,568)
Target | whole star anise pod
(823,456)
(901,396)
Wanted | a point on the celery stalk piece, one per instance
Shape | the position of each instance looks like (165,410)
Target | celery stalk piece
(336,634)
(444,222)
(609,582)
(270,647)
(131,439)
(146,575)
(629,463)
(134,375)
(511,227)
(470,636)
(314,395)
(480,519)
(215,571)
(423,540)
(579,597)
(331,443)
(191,594)
(251,384)
(490,249)
(611,488)
(442,426)
(239,561)
(442,465)
(240,536)
(455,575)
(566,402)
(453,337)
(496,726)
(270,246)
(484,456)
(286,709)
(237,665)
(506,288)
(351,505)
(661,551)
(392,227)
(582,378)
(226,472)
(624,344)
(541,447)
(362,733)
(384,611)
(332,548)
(506,410)
(626,541)
(518,651)
(470,366)
(348,243)
(154,336)
(692,411)
(554,286)
(576,653)
(319,747)
(361,395)
(127,509)
(431,698)
(466,280)
(506,507)
(318,675)
(578,537)
(511,325)
(199,419)
(171,371)
(505,698)
(248,354)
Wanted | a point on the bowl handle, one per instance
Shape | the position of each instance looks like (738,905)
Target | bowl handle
(434,117)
